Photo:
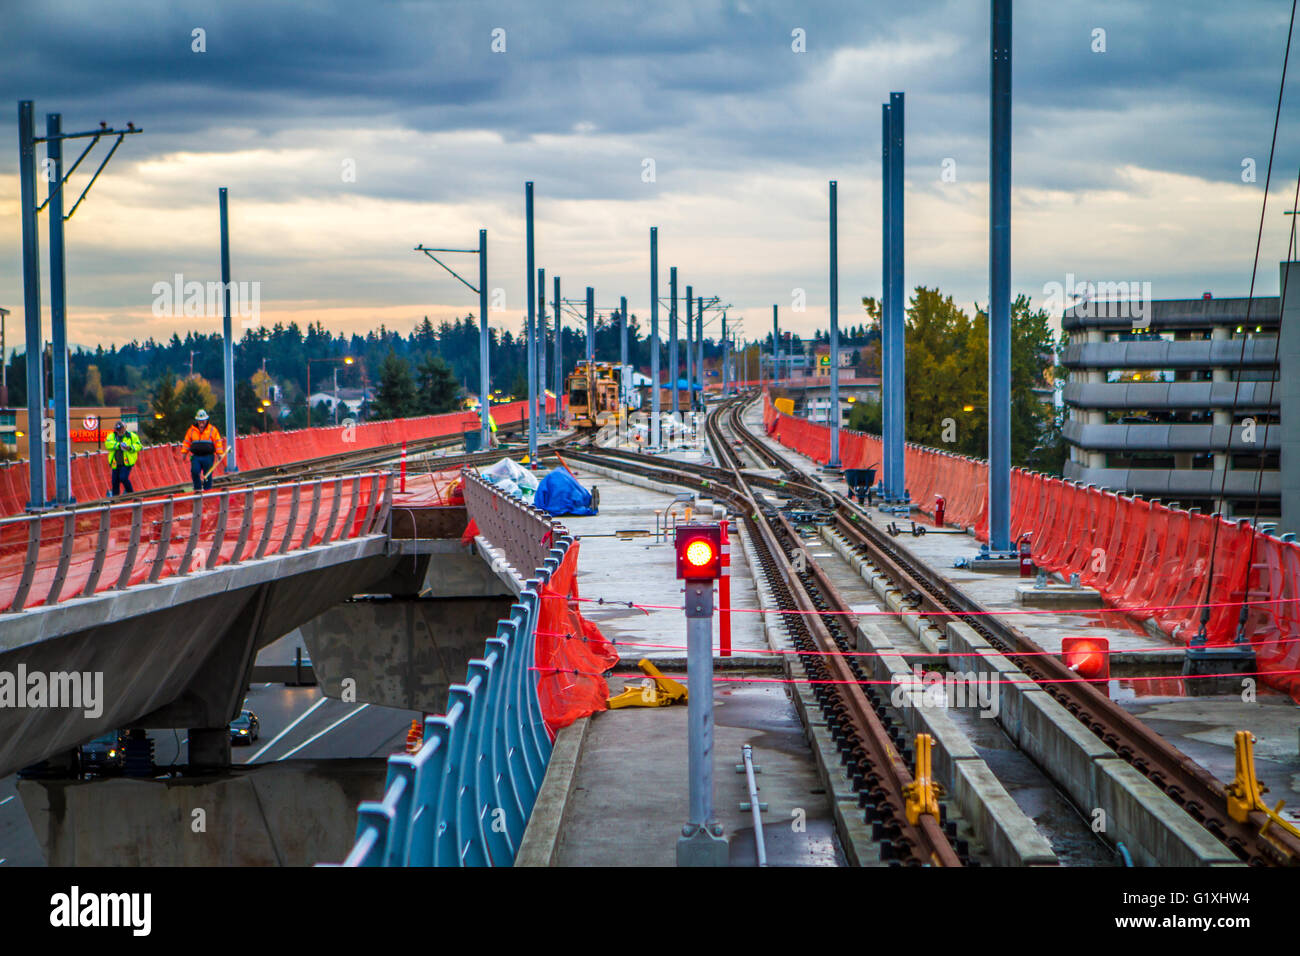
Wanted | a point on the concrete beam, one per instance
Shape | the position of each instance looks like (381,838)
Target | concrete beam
(285,813)
(400,652)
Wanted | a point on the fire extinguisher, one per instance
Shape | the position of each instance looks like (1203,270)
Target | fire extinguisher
(938,511)
(1025,547)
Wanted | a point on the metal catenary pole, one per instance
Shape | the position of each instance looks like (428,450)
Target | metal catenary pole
(32,304)
(673,371)
(834,413)
(624,375)
(484,368)
(897,299)
(591,328)
(776,348)
(228,339)
(532,329)
(699,345)
(690,350)
(1000,279)
(58,316)
(886,327)
(541,349)
(654,337)
(558,351)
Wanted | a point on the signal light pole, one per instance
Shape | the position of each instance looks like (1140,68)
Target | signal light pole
(698,550)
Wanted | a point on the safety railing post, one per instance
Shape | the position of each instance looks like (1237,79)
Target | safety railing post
(163,543)
(219,533)
(29,562)
(245,527)
(309,532)
(101,548)
(196,526)
(133,546)
(287,538)
(65,557)
(334,511)
(272,500)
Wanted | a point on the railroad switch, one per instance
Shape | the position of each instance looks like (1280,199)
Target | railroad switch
(655,690)
(923,792)
(1245,793)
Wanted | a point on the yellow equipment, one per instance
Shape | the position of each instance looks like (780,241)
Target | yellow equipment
(594,394)
(923,792)
(1245,793)
(655,691)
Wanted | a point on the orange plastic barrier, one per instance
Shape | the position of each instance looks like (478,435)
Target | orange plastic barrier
(571,652)
(162,465)
(162,543)
(1143,557)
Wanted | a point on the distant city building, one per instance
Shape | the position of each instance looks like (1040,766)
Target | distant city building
(350,400)
(1176,400)
(88,426)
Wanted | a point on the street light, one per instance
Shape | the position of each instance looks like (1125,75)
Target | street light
(346,360)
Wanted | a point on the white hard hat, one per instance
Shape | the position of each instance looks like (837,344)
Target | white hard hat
(201,415)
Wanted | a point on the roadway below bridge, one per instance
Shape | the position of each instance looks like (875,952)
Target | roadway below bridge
(299,726)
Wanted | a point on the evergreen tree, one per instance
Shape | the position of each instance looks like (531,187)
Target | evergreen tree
(437,390)
(395,397)
(167,420)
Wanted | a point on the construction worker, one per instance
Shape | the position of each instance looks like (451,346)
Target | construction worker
(123,449)
(205,447)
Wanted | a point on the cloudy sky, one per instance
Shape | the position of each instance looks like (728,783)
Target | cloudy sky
(350,132)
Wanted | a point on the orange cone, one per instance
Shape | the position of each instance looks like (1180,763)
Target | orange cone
(414,738)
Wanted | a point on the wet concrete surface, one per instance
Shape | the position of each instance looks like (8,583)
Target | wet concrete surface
(630,792)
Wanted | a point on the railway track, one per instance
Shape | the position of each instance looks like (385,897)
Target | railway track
(1187,783)
(872,744)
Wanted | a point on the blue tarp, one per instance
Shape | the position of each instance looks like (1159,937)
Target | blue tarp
(560,494)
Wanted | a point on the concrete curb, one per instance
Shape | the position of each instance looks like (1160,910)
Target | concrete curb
(545,824)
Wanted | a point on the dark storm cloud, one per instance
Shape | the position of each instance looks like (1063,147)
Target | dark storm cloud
(1184,87)
(587,90)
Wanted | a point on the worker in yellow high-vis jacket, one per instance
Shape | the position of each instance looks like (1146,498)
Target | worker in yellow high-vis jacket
(123,449)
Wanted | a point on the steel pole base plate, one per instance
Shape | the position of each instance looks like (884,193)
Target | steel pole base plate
(700,847)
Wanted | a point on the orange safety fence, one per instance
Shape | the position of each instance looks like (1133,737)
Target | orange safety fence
(1142,556)
(58,556)
(571,652)
(160,466)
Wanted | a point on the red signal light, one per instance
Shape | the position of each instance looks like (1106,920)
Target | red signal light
(1089,657)
(699,552)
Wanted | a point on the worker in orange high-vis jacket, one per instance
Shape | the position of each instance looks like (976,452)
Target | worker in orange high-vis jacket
(204,445)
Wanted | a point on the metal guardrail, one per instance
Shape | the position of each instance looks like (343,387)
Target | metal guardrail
(522,532)
(79,552)
(465,797)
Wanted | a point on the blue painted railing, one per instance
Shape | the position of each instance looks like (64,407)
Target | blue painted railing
(465,797)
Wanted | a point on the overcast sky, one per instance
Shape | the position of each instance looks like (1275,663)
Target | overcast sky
(350,132)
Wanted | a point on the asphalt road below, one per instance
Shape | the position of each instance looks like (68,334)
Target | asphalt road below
(296,722)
